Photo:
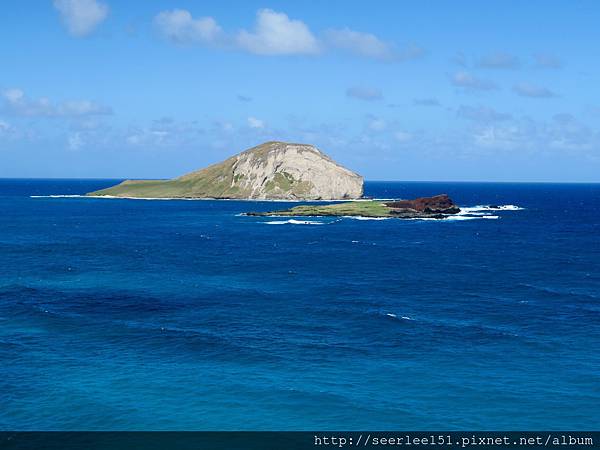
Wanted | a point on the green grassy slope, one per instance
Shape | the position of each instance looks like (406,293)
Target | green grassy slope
(363,208)
(214,182)
(219,180)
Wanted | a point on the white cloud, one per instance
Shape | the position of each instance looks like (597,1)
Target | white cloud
(253,122)
(364,93)
(8,131)
(533,91)
(81,17)
(369,45)
(276,34)
(81,108)
(17,103)
(178,25)
(376,124)
(163,133)
(227,127)
(403,136)
(562,133)
(74,141)
(4,127)
(13,95)
(467,81)
(502,138)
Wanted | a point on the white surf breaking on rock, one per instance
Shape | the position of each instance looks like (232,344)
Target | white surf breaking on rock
(477,212)
(485,208)
(454,218)
(473,217)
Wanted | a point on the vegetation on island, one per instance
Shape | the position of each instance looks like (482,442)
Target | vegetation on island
(273,170)
(436,207)
(366,208)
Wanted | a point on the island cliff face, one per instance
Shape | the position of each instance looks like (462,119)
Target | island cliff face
(273,171)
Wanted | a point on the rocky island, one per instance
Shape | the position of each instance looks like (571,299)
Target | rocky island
(437,207)
(283,171)
(270,171)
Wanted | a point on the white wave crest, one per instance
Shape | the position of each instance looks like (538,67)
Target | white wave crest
(471,217)
(294,222)
(366,218)
(394,316)
(56,196)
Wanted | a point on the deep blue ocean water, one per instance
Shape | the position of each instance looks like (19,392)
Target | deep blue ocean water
(135,314)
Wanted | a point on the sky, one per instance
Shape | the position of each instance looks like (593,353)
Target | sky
(412,90)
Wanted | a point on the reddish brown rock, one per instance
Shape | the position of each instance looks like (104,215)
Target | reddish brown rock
(438,204)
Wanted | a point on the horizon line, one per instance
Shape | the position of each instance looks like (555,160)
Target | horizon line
(365,180)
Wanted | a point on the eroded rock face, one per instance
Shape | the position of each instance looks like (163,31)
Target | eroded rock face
(270,171)
(278,170)
(438,204)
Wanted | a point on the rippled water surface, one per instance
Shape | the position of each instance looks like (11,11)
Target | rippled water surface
(139,314)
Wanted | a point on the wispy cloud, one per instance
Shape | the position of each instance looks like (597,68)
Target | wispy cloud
(369,45)
(459,59)
(16,102)
(546,61)
(499,60)
(467,81)
(403,136)
(6,129)
(562,133)
(162,133)
(532,91)
(481,114)
(75,141)
(430,101)
(253,122)
(377,124)
(81,17)
(364,93)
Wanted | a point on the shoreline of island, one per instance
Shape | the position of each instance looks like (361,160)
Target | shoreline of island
(436,207)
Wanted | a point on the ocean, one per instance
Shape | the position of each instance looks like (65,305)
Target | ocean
(121,314)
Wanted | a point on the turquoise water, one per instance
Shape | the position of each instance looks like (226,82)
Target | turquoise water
(184,315)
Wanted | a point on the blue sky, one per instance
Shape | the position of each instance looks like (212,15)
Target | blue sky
(421,90)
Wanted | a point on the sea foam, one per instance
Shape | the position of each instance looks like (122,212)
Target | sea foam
(366,218)
(56,196)
(294,222)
